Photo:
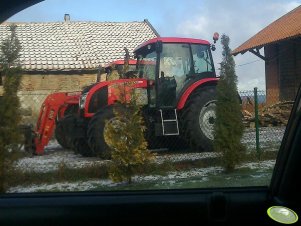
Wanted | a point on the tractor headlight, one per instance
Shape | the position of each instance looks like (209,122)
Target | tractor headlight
(82,100)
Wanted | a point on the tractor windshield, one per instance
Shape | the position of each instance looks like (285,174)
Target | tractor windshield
(183,61)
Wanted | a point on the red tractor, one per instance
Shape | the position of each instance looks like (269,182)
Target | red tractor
(176,83)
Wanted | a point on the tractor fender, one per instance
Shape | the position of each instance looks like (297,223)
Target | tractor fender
(200,83)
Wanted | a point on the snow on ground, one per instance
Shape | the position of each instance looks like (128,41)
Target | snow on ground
(65,186)
(269,137)
(55,155)
(267,164)
(198,172)
(178,157)
(51,160)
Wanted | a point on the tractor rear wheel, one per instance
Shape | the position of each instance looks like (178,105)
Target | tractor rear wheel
(96,129)
(198,119)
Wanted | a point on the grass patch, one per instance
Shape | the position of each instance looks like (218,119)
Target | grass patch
(265,155)
(17,177)
(238,178)
(16,153)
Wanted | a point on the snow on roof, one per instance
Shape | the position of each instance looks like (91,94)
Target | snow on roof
(65,46)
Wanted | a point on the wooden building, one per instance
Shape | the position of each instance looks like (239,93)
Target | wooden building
(281,43)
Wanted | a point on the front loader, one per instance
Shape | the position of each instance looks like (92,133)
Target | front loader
(55,107)
(57,113)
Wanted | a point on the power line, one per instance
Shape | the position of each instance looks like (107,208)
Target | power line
(251,62)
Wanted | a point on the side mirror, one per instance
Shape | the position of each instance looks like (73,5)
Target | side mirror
(215,37)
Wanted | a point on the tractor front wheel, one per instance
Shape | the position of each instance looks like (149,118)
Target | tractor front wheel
(198,119)
(81,147)
(63,131)
(96,130)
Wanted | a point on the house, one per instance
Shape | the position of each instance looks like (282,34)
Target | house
(281,42)
(65,56)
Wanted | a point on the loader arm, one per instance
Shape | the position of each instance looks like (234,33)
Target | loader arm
(52,109)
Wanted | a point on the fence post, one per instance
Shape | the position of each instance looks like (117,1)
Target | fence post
(256,122)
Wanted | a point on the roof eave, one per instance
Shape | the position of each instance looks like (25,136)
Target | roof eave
(152,28)
(242,51)
(67,71)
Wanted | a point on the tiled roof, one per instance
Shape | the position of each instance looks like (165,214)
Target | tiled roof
(76,45)
(287,26)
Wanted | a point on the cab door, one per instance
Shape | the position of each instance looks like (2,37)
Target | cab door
(171,72)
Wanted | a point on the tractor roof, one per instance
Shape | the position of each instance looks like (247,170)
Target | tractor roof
(173,40)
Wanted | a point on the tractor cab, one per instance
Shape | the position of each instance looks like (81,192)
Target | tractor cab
(175,68)
(173,64)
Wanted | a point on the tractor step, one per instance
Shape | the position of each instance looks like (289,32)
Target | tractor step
(169,122)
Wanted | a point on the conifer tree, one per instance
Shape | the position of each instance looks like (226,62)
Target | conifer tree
(125,137)
(9,103)
(228,129)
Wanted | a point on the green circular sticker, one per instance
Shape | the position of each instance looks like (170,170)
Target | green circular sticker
(282,215)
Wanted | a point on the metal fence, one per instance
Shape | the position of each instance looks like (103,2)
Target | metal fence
(265,117)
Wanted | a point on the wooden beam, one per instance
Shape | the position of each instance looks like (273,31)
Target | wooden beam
(257,53)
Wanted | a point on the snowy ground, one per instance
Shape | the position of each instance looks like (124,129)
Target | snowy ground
(55,155)
(269,138)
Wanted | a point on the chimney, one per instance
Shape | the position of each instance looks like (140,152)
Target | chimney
(67,17)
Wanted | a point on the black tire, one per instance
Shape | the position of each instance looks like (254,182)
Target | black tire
(63,131)
(29,141)
(81,147)
(95,133)
(72,109)
(60,135)
(175,143)
(198,118)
